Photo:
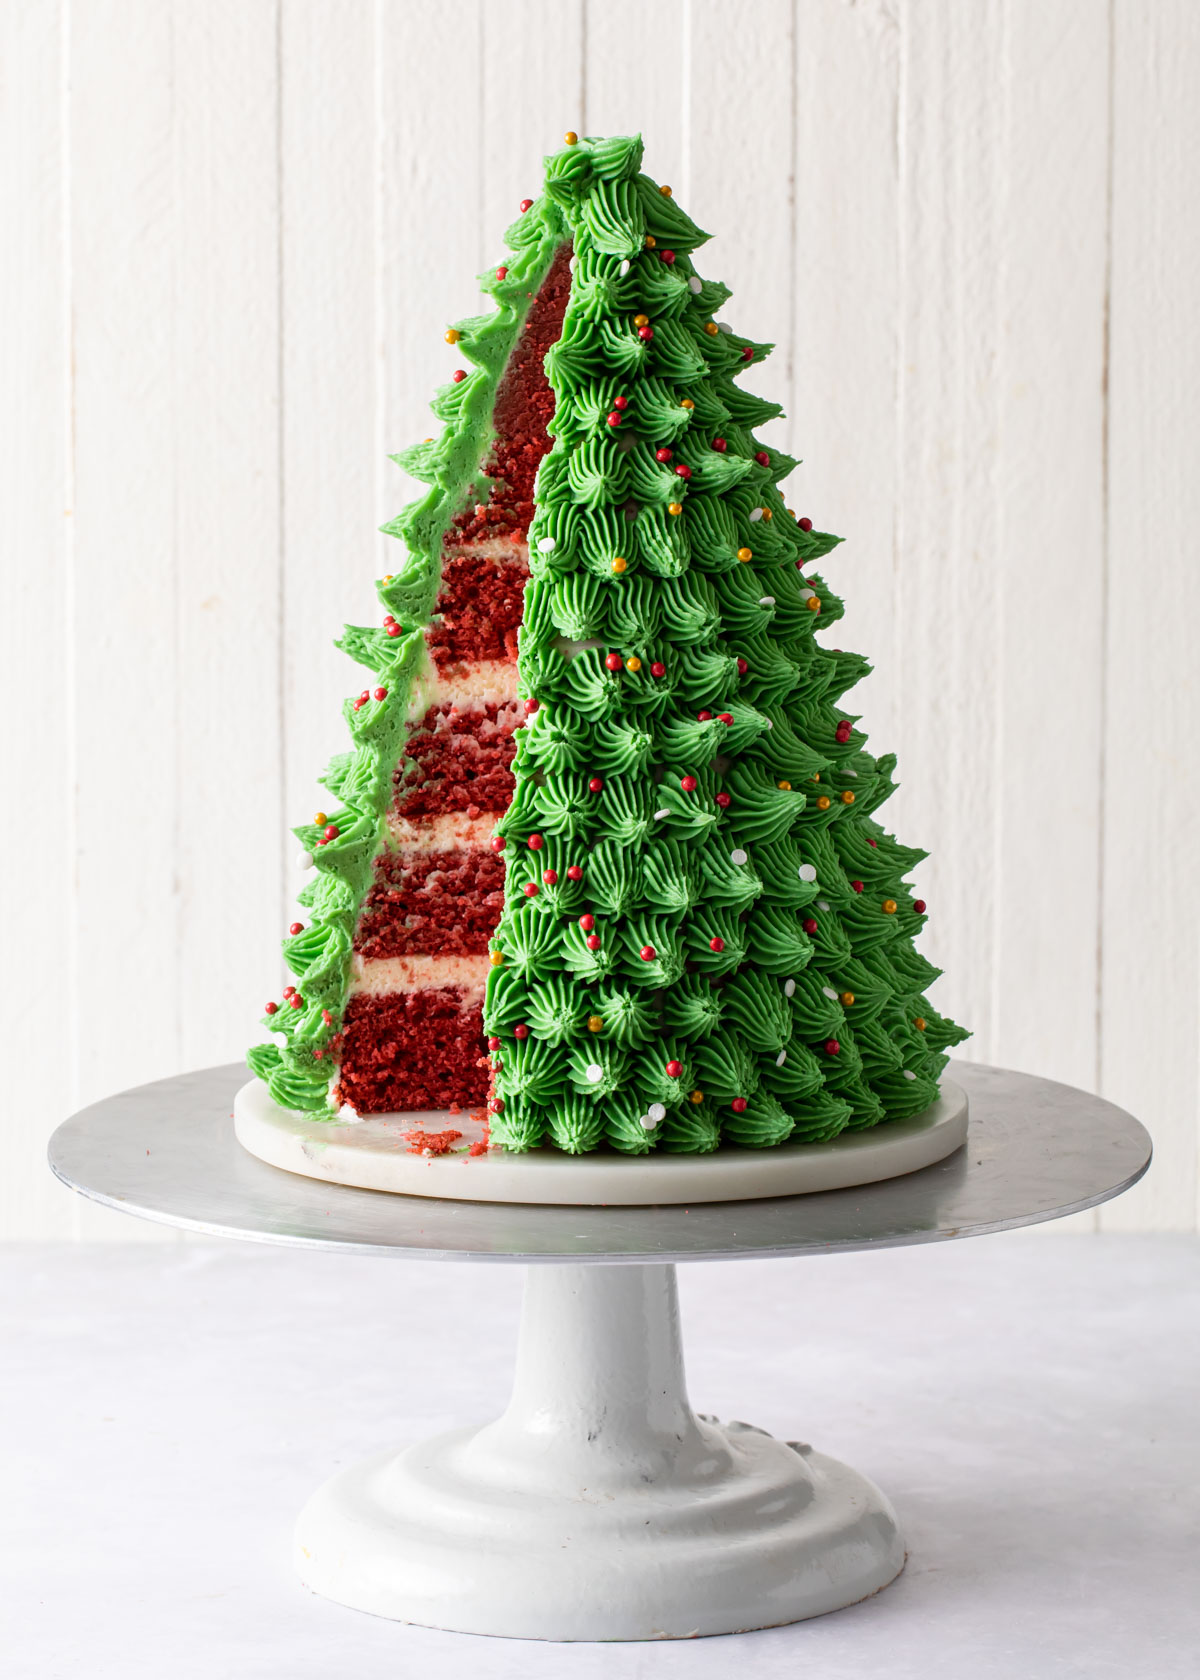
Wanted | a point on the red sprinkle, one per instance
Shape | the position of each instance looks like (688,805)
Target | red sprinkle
(593,941)
(857,885)
(587,923)
(873,843)
(381,694)
(717,944)
(535,842)
(296,927)
(674,1069)
(521,1031)
(493,1043)
(332,832)
(595,785)
(296,1001)
(810,924)
(724,801)
(804,524)
(574,873)
(658,669)
(725,717)
(497,842)
(530,889)
(621,402)
(614,419)
(272,1008)
(550,876)
(494,1105)
(918,903)
(526,204)
(688,784)
(703,717)
(647,953)
(663,454)
(742,667)
(683,470)
(832,1047)
(391,629)
(748,353)
(646,333)
(667,256)
(738,1105)
(459,375)
(720,445)
(502,273)
(531,706)
(614,661)
(763,459)
(288,990)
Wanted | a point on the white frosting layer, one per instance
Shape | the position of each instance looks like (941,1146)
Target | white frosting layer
(377,976)
(443,833)
(503,549)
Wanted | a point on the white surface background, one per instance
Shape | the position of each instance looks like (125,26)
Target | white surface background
(1027,1406)
(234,233)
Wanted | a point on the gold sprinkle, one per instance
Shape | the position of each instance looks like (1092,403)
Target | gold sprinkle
(651,241)
(824,802)
(320,818)
(696,1097)
(919,1023)
(813,604)
(786,786)
(595,1023)
(495,958)
(711,328)
(665,191)
(674,507)
(889,906)
(847,797)
(571,138)
(847,999)
(620,563)
(452,335)
(745,554)
(633,663)
(687,403)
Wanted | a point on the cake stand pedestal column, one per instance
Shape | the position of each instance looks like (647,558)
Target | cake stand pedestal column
(599,1505)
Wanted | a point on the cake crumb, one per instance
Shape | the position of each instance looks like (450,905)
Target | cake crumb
(430,1143)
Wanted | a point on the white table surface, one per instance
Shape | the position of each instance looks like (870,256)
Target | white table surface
(1028,1402)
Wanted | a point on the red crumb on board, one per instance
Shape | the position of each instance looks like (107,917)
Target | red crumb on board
(433,1143)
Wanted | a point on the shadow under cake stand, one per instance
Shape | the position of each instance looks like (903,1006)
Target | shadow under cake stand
(600,1506)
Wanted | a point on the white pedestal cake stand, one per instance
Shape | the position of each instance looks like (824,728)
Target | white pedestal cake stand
(600,1506)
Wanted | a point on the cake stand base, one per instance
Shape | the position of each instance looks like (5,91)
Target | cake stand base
(599,1506)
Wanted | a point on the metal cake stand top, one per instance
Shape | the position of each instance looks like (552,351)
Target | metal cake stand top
(1036,1150)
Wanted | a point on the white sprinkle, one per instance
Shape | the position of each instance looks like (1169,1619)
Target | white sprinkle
(624,269)
(755,515)
(738,855)
(781,1058)
(427,1151)
(656,1112)
(304,861)
(571,264)
(821,904)
(789,988)
(766,600)
(646,1123)
(593,1073)
(280,1037)
(909,1074)
(853,773)
(694,283)
(659,815)
(723,326)
(807,872)
(546,545)
(829,993)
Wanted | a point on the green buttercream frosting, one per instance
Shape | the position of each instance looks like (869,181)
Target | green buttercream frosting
(736,962)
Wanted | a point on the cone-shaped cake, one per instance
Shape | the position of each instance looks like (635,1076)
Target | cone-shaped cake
(604,854)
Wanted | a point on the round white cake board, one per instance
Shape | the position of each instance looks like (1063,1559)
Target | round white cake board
(383,1152)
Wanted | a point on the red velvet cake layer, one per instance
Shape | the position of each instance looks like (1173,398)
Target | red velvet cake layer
(412,1050)
(442,904)
(524,406)
(462,760)
(480,604)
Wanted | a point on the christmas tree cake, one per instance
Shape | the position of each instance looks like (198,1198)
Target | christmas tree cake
(604,854)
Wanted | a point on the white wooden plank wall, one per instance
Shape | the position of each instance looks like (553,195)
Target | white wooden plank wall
(235,231)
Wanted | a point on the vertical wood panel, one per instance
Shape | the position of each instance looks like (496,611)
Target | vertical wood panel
(434,231)
(947,645)
(225,457)
(35,682)
(329,364)
(737,171)
(1152,712)
(844,422)
(1050,490)
(125,583)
